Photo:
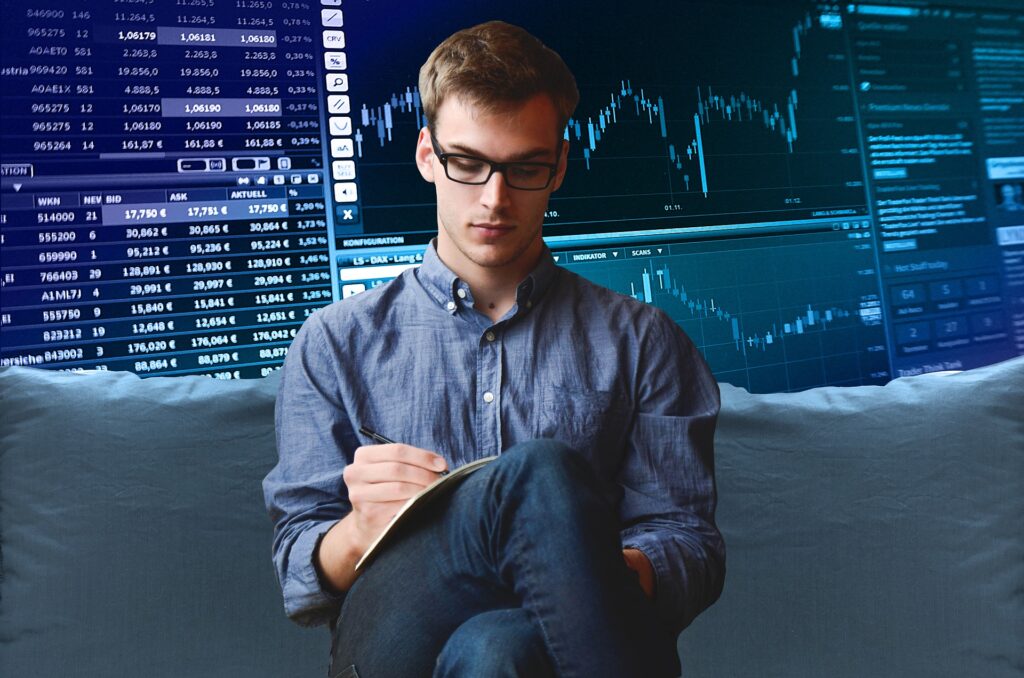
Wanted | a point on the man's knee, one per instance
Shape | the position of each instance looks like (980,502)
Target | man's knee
(495,644)
(543,489)
(547,460)
(552,473)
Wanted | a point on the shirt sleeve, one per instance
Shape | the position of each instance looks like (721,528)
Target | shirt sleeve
(668,505)
(305,493)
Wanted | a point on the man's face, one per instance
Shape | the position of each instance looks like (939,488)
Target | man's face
(491,226)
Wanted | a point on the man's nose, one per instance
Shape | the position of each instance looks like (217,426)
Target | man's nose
(496,192)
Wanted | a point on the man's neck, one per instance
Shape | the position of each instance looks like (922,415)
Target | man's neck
(494,288)
(494,298)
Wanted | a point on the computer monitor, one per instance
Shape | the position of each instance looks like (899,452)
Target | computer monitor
(818,193)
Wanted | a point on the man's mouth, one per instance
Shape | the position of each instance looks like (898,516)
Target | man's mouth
(492,229)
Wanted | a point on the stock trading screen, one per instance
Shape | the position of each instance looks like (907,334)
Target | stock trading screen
(817,193)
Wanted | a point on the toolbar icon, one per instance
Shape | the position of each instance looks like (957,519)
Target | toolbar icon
(342,148)
(331,18)
(335,61)
(341,125)
(338,104)
(345,191)
(343,170)
(334,39)
(337,82)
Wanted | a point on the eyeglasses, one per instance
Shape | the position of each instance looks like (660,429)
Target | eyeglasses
(468,169)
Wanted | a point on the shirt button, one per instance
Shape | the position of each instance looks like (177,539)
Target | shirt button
(462,293)
(488,397)
(529,304)
(489,336)
(450,305)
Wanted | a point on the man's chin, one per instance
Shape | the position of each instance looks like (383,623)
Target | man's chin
(486,259)
(495,256)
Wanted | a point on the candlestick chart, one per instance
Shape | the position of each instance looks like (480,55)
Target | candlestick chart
(714,133)
(775,315)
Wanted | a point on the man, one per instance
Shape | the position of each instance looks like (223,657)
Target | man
(590,543)
(1010,195)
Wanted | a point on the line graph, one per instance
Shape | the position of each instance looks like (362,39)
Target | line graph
(705,309)
(732,139)
(782,314)
(380,120)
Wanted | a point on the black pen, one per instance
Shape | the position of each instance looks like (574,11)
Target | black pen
(376,436)
(385,441)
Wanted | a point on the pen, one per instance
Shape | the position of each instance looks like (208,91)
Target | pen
(369,433)
(376,436)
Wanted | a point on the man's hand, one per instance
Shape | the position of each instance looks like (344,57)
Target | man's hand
(379,480)
(383,477)
(638,562)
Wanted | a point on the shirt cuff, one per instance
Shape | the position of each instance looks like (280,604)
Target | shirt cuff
(305,600)
(666,598)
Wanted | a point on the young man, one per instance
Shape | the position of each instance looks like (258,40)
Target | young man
(590,543)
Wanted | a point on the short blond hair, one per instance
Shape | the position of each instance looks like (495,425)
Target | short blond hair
(496,65)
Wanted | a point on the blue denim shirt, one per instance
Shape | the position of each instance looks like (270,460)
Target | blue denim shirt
(615,379)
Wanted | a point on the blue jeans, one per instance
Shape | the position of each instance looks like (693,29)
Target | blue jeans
(517,572)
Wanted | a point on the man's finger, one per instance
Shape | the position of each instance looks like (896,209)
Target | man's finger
(382,492)
(391,471)
(402,453)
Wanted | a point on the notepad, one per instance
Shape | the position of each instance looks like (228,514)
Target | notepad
(421,499)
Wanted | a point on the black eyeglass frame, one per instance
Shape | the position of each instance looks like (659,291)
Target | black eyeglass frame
(495,166)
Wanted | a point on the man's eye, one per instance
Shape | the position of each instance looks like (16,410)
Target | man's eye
(467,164)
(525,171)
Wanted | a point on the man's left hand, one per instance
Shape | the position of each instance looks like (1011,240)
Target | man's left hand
(638,562)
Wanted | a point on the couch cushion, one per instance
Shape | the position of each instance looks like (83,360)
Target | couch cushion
(134,537)
(871,531)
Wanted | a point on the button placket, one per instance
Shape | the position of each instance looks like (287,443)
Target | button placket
(489,399)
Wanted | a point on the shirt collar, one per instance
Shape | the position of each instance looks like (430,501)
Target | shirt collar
(448,290)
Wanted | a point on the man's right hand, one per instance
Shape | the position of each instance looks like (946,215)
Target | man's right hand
(379,480)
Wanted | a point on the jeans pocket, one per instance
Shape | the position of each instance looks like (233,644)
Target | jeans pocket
(349,672)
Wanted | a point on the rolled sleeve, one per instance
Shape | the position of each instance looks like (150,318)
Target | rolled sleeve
(305,493)
(669,493)
(305,600)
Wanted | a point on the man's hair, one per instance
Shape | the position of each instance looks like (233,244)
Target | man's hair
(496,65)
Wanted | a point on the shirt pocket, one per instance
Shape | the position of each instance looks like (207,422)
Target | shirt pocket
(592,422)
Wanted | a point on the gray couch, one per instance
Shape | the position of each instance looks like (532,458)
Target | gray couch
(872,531)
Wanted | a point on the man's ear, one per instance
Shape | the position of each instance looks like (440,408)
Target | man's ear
(563,164)
(425,155)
